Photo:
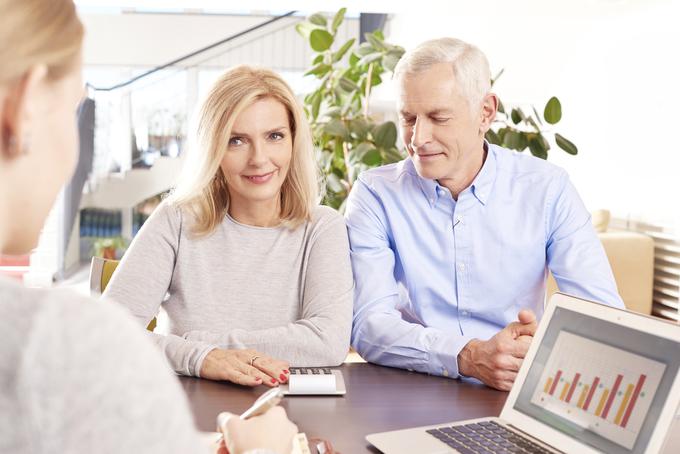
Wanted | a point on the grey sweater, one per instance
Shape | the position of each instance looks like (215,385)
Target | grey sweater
(78,376)
(284,292)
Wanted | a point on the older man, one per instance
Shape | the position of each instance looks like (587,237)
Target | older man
(451,246)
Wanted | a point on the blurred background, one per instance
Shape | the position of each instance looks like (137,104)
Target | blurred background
(611,65)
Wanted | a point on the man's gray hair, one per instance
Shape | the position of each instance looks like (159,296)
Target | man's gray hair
(470,66)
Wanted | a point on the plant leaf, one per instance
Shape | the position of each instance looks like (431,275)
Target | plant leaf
(512,140)
(320,40)
(492,137)
(347,84)
(353,60)
(385,135)
(370,58)
(358,153)
(393,155)
(538,117)
(565,144)
(337,56)
(304,29)
(318,19)
(337,20)
(336,127)
(497,76)
(553,111)
(364,49)
(375,41)
(372,158)
(359,128)
(319,70)
(390,60)
(516,115)
(539,146)
(316,104)
(333,112)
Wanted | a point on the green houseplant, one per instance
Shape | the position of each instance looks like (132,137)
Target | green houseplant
(349,139)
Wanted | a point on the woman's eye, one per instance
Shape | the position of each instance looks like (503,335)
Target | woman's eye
(235,141)
(276,136)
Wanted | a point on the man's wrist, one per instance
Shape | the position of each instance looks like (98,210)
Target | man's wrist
(465,363)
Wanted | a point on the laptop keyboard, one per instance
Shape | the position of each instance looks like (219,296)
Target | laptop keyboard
(486,437)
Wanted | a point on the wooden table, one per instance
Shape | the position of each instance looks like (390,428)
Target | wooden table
(378,399)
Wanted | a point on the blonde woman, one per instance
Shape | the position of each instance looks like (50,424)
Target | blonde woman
(75,376)
(257,275)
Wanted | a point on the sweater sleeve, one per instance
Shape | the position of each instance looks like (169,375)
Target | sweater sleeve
(320,337)
(143,278)
(91,382)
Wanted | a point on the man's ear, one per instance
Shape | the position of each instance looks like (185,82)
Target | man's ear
(17,111)
(488,112)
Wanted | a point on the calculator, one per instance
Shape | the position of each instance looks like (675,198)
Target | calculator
(314,381)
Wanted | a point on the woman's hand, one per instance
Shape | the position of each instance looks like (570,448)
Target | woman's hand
(235,366)
(271,431)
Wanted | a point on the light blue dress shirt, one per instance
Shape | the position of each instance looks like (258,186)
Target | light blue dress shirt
(433,273)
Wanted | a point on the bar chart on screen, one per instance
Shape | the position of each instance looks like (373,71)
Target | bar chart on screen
(598,387)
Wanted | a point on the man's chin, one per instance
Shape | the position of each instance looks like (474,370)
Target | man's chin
(428,172)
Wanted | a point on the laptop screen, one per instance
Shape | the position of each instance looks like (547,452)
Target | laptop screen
(598,382)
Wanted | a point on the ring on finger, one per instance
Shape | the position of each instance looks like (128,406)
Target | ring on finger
(252,360)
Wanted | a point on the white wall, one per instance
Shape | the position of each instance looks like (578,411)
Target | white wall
(614,64)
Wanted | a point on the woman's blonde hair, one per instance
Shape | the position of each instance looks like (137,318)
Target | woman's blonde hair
(202,187)
(35,32)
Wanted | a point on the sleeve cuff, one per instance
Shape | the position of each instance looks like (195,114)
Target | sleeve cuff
(201,357)
(444,352)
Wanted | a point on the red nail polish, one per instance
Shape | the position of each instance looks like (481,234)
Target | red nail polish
(282,377)
(286,371)
(273,380)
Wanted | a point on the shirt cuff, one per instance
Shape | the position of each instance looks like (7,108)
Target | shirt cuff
(444,352)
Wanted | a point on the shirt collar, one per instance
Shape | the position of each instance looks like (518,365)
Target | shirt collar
(483,182)
(481,185)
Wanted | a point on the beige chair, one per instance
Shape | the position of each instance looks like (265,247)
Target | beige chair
(631,256)
(101,270)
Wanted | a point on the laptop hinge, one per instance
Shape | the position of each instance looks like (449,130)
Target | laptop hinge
(526,435)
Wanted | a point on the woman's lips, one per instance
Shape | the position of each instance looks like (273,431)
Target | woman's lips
(260,179)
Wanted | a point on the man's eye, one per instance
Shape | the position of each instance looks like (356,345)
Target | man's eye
(408,121)
(440,120)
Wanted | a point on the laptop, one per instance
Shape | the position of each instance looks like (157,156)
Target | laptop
(595,379)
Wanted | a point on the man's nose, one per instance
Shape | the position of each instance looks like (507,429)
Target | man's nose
(422,133)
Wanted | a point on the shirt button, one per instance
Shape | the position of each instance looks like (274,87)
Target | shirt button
(445,372)
(465,313)
(461,266)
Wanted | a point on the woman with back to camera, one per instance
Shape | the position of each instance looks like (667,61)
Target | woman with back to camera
(256,273)
(75,376)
